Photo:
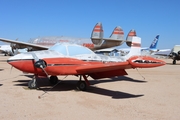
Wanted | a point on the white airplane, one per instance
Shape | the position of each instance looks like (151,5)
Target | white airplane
(97,40)
(173,53)
(7,50)
(72,59)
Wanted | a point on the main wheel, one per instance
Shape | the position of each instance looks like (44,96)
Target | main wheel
(174,61)
(53,79)
(81,85)
(32,84)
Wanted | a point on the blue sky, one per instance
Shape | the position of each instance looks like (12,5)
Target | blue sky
(25,19)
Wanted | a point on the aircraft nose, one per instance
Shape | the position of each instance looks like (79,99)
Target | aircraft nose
(21,61)
(14,60)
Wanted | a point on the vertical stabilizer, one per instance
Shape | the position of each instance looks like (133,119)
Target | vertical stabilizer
(97,34)
(154,43)
(129,37)
(135,47)
(117,34)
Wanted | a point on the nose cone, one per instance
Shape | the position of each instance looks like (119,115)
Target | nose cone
(145,62)
(20,60)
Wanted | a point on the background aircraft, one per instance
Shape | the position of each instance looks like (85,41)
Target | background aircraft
(175,53)
(6,50)
(144,50)
(153,46)
(97,40)
(71,59)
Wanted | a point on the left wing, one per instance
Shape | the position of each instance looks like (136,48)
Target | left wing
(21,45)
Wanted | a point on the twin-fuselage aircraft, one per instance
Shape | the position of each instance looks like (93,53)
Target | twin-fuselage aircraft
(72,59)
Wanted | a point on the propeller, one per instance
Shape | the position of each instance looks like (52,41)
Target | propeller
(39,63)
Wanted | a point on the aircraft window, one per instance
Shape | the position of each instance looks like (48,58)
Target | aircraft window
(78,50)
(59,48)
(70,50)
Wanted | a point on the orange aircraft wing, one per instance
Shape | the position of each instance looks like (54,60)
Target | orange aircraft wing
(105,70)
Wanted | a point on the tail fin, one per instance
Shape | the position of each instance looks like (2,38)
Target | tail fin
(116,38)
(135,47)
(130,36)
(154,43)
(117,34)
(97,34)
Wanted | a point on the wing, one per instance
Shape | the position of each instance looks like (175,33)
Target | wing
(25,44)
(105,70)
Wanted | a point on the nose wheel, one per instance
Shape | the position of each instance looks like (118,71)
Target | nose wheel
(32,84)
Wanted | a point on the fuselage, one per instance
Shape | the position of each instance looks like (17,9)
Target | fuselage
(58,64)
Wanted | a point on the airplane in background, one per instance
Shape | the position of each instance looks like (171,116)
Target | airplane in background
(153,46)
(97,40)
(144,50)
(72,59)
(175,54)
(7,50)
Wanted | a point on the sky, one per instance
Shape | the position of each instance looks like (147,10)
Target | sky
(26,19)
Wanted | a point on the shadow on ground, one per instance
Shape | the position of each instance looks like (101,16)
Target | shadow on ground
(67,85)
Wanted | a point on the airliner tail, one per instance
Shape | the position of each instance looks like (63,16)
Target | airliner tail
(130,36)
(97,34)
(154,43)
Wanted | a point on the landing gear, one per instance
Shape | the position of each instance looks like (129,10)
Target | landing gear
(53,80)
(174,62)
(81,85)
(32,84)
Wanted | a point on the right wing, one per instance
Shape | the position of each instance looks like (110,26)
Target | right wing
(21,45)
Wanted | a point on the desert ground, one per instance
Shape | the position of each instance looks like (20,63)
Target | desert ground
(143,94)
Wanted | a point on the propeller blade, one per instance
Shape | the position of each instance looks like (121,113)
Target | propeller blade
(40,64)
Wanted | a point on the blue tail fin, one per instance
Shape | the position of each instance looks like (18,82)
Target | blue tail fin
(154,43)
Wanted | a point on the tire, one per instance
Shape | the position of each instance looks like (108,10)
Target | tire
(81,85)
(32,84)
(53,80)
(174,62)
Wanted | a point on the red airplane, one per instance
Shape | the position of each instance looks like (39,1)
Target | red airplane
(73,59)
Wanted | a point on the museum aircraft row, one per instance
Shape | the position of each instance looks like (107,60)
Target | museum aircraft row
(97,40)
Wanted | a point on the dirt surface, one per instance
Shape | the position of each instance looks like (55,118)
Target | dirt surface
(144,94)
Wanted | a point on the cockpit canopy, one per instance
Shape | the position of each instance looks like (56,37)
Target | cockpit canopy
(70,49)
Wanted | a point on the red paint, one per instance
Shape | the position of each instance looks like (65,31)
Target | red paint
(96,69)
